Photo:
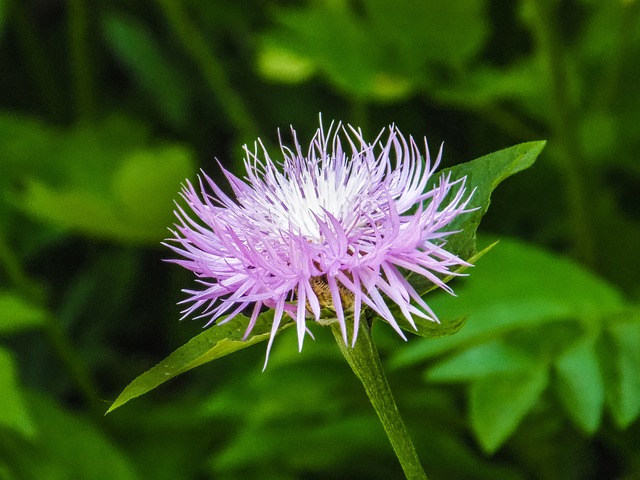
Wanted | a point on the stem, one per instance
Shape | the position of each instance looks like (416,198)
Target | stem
(564,122)
(37,63)
(364,361)
(197,47)
(80,58)
(61,344)
(610,86)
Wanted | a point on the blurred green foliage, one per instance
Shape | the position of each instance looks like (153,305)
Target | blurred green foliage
(106,107)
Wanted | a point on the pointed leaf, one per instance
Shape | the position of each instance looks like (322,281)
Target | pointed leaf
(533,287)
(485,174)
(17,314)
(14,413)
(425,328)
(213,343)
(580,385)
(136,48)
(621,362)
(484,360)
(70,446)
(436,330)
(499,403)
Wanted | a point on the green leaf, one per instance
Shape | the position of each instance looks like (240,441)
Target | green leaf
(580,384)
(484,175)
(454,31)
(14,413)
(279,64)
(137,49)
(133,205)
(81,210)
(17,314)
(436,330)
(425,328)
(517,286)
(484,360)
(147,181)
(67,446)
(621,361)
(3,15)
(213,343)
(386,59)
(499,403)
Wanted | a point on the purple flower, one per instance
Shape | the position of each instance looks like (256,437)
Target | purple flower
(337,227)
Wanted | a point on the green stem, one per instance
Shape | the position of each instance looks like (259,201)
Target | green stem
(37,62)
(70,358)
(197,47)
(364,361)
(564,123)
(80,58)
(609,91)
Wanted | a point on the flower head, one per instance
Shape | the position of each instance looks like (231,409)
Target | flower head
(335,227)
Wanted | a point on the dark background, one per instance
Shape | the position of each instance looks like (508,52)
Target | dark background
(107,107)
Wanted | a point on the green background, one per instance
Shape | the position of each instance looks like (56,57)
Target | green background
(107,107)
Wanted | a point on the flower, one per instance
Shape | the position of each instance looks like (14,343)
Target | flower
(337,228)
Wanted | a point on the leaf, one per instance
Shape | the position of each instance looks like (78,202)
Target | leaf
(580,384)
(421,284)
(137,49)
(282,65)
(14,413)
(484,175)
(81,210)
(387,56)
(147,181)
(215,342)
(454,31)
(517,286)
(499,403)
(436,330)
(3,15)
(425,328)
(134,205)
(484,360)
(621,361)
(67,446)
(16,314)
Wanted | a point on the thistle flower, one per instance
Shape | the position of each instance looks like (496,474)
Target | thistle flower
(337,228)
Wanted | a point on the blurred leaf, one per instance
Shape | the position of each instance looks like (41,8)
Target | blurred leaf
(147,180)
(135,46)
(499,403)
(82,211)
(25,146)
(14,414)
(580,384)
(383,50)
(436,330)
(16,314)
(304,449)
(319,35)
(621,360)
(493,358)
(108,184)
(417,33)
(484,174)
(487,88)
(418,282)
(515,287)
(67,447)
(215,342)
(279,64)
(3,15)
(598,133)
